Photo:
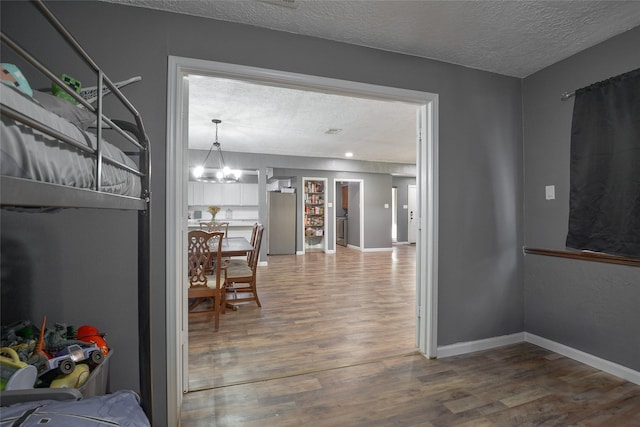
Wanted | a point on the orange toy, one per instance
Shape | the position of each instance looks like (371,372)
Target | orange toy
(88,333)
(39,357)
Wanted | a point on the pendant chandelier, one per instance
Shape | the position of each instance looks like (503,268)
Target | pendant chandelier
(224,174)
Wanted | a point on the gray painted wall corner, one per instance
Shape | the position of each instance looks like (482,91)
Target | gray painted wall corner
(585,305)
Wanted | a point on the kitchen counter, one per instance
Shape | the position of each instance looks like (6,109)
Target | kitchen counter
(237,227)
(195,223)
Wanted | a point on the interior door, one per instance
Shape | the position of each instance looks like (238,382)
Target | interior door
(413,214)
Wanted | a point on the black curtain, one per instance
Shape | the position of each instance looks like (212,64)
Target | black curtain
(604,201)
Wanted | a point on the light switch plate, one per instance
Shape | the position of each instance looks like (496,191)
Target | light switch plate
(329,204)
(386,205)
(550,192)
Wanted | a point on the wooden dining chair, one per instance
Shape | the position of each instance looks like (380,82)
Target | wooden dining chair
(247,260)
(205,273)
(254,234)
(240,279)
(214,226)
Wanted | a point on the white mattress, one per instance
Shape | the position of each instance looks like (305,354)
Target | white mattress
(28,153)
(121,408)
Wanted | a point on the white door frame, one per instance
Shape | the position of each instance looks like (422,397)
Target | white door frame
(411,205)
(361,208)
(176,209)
(325,239)
(394,214)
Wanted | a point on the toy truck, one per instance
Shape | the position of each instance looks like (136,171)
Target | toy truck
(65,360)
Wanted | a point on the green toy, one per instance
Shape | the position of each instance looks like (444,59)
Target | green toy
(69,81)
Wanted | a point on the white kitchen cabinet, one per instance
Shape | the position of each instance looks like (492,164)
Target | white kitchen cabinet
(249,194)
(231,194)
(215,194)
(195,193)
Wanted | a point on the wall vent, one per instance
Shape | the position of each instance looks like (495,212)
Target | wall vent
(332,131)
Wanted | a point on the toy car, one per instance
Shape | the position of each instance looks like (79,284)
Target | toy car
(65,360)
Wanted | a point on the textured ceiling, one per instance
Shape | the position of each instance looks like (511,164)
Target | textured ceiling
(515,38)
(263,119)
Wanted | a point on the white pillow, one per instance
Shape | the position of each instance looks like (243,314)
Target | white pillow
(80,117)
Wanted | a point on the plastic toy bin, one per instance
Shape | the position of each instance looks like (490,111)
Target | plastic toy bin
(98,382)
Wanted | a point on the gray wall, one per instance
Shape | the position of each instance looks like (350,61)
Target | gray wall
(377,192)
(480,271)
(376,178)
(377,174)
(75,250)
(585,305)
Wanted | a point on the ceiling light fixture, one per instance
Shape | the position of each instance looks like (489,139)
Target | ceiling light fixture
(224,174)
(348,154)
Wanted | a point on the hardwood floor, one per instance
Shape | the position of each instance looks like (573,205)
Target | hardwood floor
(333,345)
(318,312)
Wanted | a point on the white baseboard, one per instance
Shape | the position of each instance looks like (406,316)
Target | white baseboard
(586,358)
(578,355)
(299,253)
(330,251)
(485,344)
(377,249)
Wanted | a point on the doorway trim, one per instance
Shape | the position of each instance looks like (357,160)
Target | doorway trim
(394,215)
(325,239)
(411,204)
(360,207)
(176,191)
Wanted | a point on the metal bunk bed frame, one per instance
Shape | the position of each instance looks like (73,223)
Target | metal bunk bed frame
(18,192)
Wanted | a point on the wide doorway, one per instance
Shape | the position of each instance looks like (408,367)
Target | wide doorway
(425,255)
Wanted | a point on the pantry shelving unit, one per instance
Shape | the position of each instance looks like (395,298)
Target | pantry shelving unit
(314,214)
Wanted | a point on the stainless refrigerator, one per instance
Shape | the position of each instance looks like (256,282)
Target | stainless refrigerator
(282,223)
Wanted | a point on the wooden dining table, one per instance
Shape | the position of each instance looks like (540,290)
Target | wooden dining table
(235,246)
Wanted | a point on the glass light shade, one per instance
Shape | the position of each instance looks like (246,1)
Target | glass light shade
(226,174)
(198,171)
